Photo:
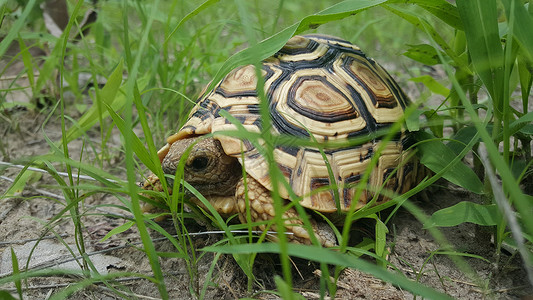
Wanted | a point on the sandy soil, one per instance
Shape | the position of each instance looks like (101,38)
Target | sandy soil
(24,218)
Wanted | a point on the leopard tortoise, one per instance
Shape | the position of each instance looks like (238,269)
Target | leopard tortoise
(320,88)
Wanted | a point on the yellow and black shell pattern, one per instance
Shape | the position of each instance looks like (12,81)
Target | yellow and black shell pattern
(321,86)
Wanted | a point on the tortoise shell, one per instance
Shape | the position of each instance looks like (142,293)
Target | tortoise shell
(321,88)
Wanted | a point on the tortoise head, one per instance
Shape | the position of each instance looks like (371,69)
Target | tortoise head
(206,167)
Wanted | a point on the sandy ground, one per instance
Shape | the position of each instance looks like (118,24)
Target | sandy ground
(23,221)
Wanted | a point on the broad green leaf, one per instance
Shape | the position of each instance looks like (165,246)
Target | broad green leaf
(327,256)
(423,53)
(463,212)
(527,130)
(118,230)
(435,122)
(422,24)
(524,120)
(519,167)
(459,42)
(441,9)
(437,157)
(381,234)
(381,231)
(432,85)
(413,120)
(17,104)
(465,135)
(523,27)
(461,138)
(20,183)
(480,21)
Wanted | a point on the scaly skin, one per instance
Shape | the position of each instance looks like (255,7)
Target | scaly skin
(262,209)
(218,177)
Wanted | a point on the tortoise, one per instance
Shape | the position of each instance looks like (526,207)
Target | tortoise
(319,88)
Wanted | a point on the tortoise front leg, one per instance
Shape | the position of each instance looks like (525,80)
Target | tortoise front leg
(262,209)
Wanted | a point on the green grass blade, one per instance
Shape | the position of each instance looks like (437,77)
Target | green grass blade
(455,253)
(272,44)
(526,80)
(16,271)
(212,210)
(87,282)
(6,295)
(193,13)
(17,26)
(462,212)
(327,256)
(108,95)
(422,24)
(480,20)
(441,9)
(27,60)
(510,185)
(2,11)
(285,290)
(129,138)
(209,276)
(511,220)
(136,145)
(523,27)
(92,171)
(48,70)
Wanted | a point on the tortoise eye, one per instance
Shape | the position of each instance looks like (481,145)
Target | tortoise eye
(199,163)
